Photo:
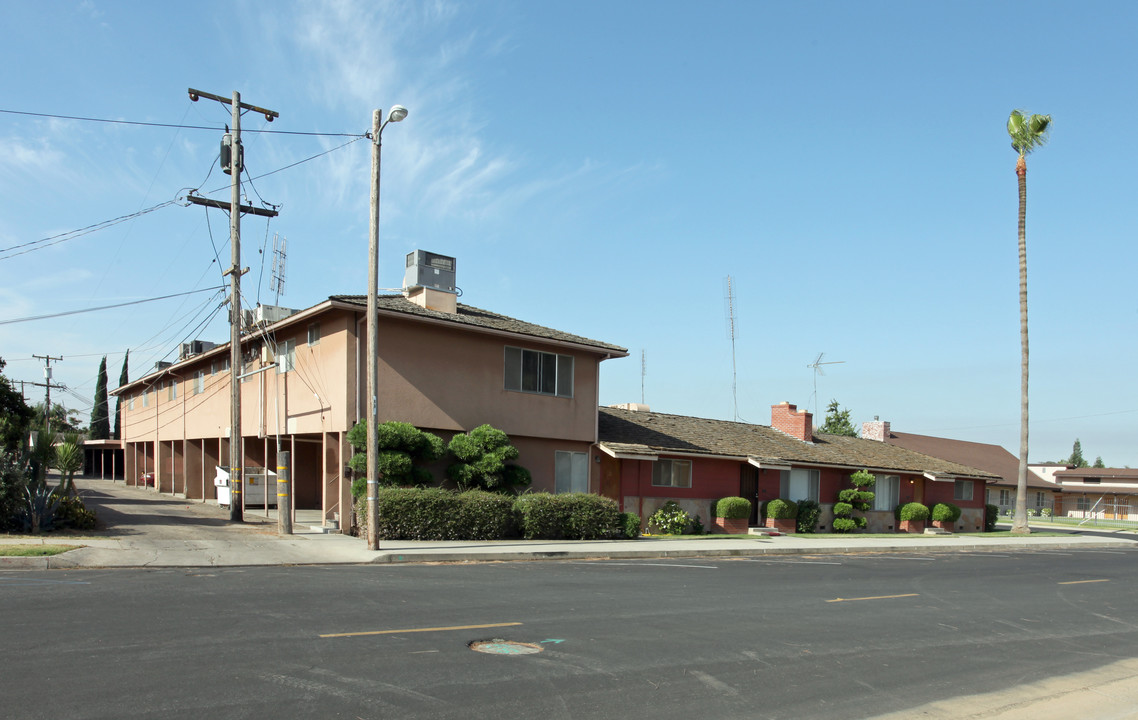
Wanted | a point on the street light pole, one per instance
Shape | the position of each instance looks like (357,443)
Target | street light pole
(397,114)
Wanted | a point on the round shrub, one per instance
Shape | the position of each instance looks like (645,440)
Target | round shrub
(669,519)
(808,512)
(945,512)
(733,508)
(913,511)
(630,525)
(780,509)
(842,509)
(844,525)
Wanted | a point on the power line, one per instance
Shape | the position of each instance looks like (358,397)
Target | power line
(71,235)
(181,127)
(104,307)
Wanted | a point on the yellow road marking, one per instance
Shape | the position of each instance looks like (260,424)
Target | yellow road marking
(417,630)
(1080,582)
(876,597)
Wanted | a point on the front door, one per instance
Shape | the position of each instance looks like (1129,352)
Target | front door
(749,488)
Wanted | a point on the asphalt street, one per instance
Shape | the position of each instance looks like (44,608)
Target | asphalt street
(814,636)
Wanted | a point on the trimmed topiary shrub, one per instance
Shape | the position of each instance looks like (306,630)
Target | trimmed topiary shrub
(913,511)
(842,509)
(630,525)
(733,508)
(849,496)
(808,513)
(669,519)
(945,512)
(780,509)
(991,515)
(844,525)
(863,479)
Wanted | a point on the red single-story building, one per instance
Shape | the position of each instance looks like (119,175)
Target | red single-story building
(647,458)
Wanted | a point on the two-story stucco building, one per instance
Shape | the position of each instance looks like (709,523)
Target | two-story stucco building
(444,367)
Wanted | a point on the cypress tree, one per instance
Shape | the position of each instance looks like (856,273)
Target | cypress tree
(100,420)
(118,403)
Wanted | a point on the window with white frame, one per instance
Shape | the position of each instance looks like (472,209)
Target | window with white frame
(286,362)
(172,390)
(795,485)
(886,492)
(130,402)
(962,490)
(544,373)
(570,472)
(671,473)
(145,398)
(314,334)
(199,382)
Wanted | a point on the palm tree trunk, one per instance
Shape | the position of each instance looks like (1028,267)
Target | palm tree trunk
(1019,523)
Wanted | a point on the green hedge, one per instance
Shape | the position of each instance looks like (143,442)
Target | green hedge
(576,516)
(808,513)
(991,515)
(733,508)
(945,512)
(630,523)
(440,514)
(913,511)
(780,509)
(844,525)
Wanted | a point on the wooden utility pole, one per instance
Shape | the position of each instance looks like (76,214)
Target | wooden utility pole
(47,384)
(235,166)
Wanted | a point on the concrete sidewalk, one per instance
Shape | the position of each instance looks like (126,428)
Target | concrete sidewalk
(144,529)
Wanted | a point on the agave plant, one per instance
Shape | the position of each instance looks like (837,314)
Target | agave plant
(39,508)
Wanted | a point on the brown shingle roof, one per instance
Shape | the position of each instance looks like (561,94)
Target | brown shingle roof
(476,317)
(660,433)
(992,458)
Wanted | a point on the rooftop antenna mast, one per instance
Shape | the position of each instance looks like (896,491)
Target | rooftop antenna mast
(731,329)
(280,254)
(643,372)
(817,366)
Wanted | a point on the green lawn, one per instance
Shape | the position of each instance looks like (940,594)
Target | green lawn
(34,550)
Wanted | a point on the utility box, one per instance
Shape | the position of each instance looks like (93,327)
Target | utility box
(430,270)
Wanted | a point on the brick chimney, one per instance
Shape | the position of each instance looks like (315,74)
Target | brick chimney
(875,430)
(793,422)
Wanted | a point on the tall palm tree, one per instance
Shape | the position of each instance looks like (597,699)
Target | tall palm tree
(1027,132)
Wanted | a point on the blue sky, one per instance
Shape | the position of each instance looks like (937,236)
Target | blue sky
(601,168)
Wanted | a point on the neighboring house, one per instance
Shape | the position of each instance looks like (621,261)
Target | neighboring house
(444,367)
(648,458)
(1102,493)
(1001,491)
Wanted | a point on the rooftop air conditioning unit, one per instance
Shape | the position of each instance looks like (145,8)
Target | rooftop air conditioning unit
(195,347)
(430,270)
(267,314)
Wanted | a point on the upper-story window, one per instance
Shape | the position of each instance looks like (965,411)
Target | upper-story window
(199,382)
(544,373)
(172,390)
(314,334)
(130,402)
(287,360)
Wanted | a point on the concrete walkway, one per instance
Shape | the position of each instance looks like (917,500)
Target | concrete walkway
(139,528)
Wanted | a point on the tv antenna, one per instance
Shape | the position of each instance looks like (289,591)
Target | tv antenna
(732,331)
(280,254)
(817,366)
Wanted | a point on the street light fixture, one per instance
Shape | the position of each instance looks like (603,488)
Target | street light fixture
(398,112)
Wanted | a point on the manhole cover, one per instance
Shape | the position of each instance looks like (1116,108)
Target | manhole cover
(504,647)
